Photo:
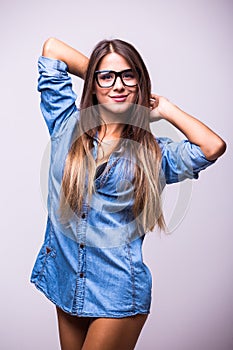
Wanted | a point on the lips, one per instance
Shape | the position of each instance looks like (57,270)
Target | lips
(119,98)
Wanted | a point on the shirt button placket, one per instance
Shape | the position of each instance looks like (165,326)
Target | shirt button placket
(81,236)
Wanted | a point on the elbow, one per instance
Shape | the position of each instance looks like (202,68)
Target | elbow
(215,150)
(49,48)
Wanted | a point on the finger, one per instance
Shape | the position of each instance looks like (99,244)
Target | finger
(154,96)
(152,103)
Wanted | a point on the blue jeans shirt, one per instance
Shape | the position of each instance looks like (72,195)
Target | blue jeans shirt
(92,265)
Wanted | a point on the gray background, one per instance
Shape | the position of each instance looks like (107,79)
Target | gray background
(187,46)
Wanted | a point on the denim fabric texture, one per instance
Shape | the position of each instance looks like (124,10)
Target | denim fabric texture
(93,265)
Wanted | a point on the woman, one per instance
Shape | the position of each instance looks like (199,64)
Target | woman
(106,175)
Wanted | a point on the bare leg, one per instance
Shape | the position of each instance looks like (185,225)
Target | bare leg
(72,330)
(114,334)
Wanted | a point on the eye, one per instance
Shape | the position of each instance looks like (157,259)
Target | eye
(129,75)
(106,76)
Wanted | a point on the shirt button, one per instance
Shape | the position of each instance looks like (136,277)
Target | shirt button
(82,245)
(81,275)
(83,216)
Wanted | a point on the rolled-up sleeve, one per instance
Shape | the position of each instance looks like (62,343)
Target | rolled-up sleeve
(57,97)
(181,160)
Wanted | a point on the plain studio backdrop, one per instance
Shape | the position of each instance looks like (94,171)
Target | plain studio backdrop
(187,46)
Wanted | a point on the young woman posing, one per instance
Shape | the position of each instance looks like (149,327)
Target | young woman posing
(106,175)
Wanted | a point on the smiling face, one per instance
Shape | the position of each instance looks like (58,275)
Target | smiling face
(118,98)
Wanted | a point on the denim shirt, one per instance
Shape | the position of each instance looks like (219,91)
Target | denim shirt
(92,265)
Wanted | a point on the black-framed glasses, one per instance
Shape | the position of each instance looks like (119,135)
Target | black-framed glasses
(107,78)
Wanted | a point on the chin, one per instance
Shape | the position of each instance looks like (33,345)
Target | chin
(118,108)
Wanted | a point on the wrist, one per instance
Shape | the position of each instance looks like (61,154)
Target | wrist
(168,110)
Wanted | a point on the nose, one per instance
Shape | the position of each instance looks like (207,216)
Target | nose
(118,84)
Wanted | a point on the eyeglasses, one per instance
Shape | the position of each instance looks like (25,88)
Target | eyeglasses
(107,78)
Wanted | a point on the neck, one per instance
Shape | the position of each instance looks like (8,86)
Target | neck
(114,118)
(110,131)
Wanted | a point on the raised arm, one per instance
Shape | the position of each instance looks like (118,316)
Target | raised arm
(196,132)
(77,62)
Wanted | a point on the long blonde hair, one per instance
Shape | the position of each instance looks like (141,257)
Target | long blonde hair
(80,166)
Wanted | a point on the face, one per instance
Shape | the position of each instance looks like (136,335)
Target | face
(119,97)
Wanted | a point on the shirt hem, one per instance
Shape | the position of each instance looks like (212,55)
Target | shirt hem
(89,314)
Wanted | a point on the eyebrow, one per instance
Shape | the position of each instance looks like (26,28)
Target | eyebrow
(110,70)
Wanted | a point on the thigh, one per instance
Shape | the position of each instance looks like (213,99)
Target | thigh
(72,330)
(113,333)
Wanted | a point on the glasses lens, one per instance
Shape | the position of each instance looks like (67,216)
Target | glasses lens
(129,78)
(105,79)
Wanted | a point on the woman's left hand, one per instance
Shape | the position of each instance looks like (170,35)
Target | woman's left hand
(195,131)
(158,107)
